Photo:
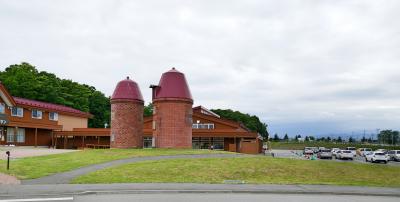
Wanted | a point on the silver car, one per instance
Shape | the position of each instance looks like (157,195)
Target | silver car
(325,154)
(345,154)
(394,155)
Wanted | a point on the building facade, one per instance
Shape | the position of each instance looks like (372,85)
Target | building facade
(25,122)
(174,123)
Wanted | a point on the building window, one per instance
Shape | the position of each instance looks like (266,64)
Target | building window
(10,134)
(2,108)
(147,142)
(207,126)
(17,111)
(53,116)
(36,114)
(206,143)
(19,137)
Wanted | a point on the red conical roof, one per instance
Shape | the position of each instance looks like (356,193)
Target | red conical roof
(173,84)
(127,90)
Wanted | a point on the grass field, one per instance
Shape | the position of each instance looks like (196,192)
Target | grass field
(35,167)
(254,170)
(301,145)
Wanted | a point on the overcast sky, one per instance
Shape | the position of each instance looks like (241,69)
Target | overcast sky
(304,67)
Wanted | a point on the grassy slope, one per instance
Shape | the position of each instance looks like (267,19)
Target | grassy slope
(257,170)
(301,145)
(35,167)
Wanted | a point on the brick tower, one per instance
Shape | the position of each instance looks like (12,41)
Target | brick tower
(172,114)
(127,115)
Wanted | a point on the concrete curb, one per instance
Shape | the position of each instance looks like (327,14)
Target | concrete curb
(7,191)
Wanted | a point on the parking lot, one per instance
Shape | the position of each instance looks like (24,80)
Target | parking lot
(298,154)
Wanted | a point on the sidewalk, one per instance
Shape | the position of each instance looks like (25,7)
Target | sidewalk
(154,188)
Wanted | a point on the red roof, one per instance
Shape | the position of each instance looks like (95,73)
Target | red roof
(127,90)
(173,84)
(50,106)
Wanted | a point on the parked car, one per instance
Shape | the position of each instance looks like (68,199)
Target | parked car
(353,150)
(382,150)
(308,151)
(321,148)
(325,154)
(363,151)
(345,154)
(315,149)
(335,151)
(394,155)
(377,157)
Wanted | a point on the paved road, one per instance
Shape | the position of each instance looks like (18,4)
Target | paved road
(66,177)
(24,191)
(231,198)
(227,197)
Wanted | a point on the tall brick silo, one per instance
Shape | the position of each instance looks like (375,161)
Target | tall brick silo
(127,115)
(172,114)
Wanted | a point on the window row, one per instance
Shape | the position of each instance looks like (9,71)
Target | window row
(36,114)
(203,126)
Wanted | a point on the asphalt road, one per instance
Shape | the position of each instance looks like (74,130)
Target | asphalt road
(228,197)
(297,154)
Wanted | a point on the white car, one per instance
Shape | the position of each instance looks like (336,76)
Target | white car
(345,154)
(394,155)
(335,151)
(353,150)
(363,151)
(382,150)
(308,151)
(377,157)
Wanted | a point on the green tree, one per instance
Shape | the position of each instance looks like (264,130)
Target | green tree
(339,139)
(148,110)
(276,137)
(286,138)
(389,137)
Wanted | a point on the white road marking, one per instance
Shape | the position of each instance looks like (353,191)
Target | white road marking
(39,199)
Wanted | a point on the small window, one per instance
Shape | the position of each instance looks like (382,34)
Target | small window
(53,116)
(17,111)
(36,114)
(2,108)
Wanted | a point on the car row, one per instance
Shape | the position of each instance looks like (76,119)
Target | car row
(349,153)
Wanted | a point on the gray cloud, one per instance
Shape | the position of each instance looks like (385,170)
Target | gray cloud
(295,64)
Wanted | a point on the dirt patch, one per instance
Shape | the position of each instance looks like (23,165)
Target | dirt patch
(8,179)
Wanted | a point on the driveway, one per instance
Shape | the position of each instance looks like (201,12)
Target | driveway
(21,152)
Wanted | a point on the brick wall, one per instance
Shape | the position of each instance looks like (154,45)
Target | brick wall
(126,124)
(173,121)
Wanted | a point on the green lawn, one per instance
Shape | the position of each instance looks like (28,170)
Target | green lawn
(301,145)
(254,170)
(35,167)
